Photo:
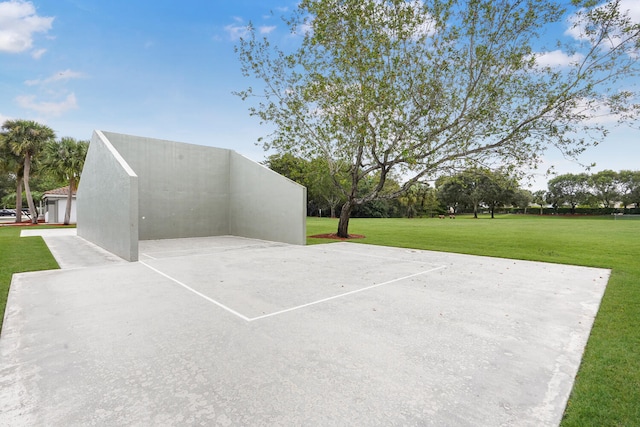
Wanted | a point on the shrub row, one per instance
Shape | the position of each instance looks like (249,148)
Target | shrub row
(577,211)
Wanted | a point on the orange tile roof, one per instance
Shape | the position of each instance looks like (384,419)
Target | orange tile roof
(62,191)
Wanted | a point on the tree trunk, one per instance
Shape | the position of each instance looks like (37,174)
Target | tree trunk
(343,224)
(27,190)
(492,210)
(19,199)
(475,211)
(67,211)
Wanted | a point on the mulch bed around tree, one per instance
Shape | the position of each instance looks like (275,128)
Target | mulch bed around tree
(26,224)
(334,236)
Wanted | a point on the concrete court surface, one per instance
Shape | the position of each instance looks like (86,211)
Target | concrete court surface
(232,331)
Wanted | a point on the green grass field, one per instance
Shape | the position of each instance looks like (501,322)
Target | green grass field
(607,388)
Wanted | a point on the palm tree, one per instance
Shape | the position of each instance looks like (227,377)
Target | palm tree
(65,160)
(11,163)
(25,139)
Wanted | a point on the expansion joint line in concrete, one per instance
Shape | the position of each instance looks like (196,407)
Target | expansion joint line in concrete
(200,294)
(298,307)
(346,293)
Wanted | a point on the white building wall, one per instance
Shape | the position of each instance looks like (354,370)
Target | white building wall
(61,205)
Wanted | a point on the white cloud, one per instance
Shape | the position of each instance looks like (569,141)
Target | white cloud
(557,58)
(59,76)
(37,54)
(29,102)
(266,29)
(427,25)
(237,30)
(598,113)
(18,23)
(633,8)
(576,29)
(304,28)
(4,118)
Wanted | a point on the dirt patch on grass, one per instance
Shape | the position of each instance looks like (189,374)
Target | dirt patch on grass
(334,236)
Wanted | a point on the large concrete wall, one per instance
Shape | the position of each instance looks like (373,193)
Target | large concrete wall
(265,205)
(107,200)
(183,188)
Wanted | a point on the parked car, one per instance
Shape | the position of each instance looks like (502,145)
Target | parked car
(7,212)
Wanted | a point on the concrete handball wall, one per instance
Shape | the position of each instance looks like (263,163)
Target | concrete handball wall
(183,189)
(107,200)
(264,204)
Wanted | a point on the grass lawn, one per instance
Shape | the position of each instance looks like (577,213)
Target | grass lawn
(607,388)
(20,254)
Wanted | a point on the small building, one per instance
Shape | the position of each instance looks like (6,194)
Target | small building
(55,205)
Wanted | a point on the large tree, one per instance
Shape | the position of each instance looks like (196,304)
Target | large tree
(466,188)
(25,139)
(10,170)
(421,87)
(421,199)
(605,187)
(539,197)
(522,199)
(314,174)
(64,160)
(7,186)
(569,189)
(630,187)
(498,189)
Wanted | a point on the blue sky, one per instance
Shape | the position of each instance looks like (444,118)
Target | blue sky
(166,69)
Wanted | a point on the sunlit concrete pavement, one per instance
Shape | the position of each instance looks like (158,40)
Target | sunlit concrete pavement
(234,331)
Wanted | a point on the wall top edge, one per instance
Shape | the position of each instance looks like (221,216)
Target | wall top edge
(234,153)
(123,163)
(124,135)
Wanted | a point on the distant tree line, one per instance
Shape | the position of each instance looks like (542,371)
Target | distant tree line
(467,191)
(473,190)
(476,188)
(32,161)
(606,189)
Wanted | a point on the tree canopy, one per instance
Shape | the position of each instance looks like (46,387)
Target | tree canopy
(64,160)
(23,140)
(606,189)
(421,88)
(570,189)
(629,187)
(478,186)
